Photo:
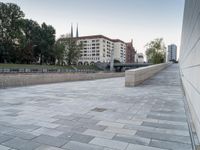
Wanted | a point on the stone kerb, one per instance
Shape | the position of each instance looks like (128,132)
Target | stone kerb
(134,77)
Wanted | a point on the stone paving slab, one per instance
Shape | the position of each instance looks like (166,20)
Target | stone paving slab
(96,115)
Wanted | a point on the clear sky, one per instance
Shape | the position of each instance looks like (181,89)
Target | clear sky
(140,20)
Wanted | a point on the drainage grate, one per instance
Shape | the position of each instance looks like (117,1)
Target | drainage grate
(99,109)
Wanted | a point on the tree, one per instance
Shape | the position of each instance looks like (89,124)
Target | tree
(59,48)
(156,51)
(10,16)
(47,35)
(72,49)
(29,41)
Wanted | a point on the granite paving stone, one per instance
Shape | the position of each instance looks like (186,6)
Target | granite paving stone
(100,114)
(165,126)
(21,144)
(50,140)
(140,147)
(109,143)
(170,145)
(73,145)
(4,137)
(102,134)
(4,147)
(46,147)
(132,139)
(22,134)
(164,136)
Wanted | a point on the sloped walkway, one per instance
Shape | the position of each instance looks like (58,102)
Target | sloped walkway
(96,115)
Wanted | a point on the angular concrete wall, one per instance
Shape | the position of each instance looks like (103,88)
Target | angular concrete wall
(190,59)
(134,77)
(14,80)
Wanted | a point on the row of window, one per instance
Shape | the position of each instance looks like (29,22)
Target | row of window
(89,58)
(88,41)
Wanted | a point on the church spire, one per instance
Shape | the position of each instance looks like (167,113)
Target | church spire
(72,31)
(77,34)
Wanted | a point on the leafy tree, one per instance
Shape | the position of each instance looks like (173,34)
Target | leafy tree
(10,16)
(29,41)
(47,40)
(59,49)
(156,51)
(71,49)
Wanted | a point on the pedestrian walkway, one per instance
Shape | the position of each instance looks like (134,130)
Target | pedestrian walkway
(96,115)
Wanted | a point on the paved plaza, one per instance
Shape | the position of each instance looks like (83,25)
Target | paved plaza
(96,115)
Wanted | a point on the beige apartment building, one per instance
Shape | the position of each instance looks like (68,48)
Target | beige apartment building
(98,48)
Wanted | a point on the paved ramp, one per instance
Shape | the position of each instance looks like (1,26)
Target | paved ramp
(96,115)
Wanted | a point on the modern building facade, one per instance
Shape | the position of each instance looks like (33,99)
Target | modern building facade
(189,59)
(139,58)
(99,48)
(172,52)
(130,52)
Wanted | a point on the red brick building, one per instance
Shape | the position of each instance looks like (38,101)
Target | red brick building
(130,52)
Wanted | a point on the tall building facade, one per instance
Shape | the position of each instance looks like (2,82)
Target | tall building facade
(139,58)
(189,59)
(172,52)
(130,52)
(99,48)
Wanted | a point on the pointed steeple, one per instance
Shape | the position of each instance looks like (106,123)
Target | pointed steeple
(77,34)
(72,31)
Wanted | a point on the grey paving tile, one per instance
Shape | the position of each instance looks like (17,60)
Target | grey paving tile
(21,134)
(164,136)
(72,145)
(101,134)
(165,126)
(132,139)
(66,135)
(120,131)
(81,138)
(111,124)
(170,145)
(46,147)
(21,144)
(4,137)
(6,129)
(50,140)
(65,111)
(26,127)
(171,118)
(109,143)
(4,147)
(141,147)
(46,131)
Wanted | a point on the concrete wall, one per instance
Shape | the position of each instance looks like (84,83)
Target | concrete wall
(190,59)
(137,76)
(14,80)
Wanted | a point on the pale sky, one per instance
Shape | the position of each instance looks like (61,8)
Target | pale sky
(140,20)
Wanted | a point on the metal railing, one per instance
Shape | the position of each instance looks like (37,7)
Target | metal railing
(44,70)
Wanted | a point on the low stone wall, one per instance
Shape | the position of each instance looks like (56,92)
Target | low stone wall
(15,80)
(136,76)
